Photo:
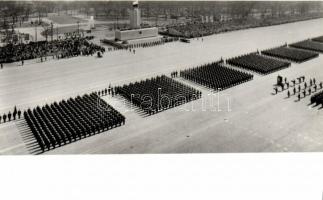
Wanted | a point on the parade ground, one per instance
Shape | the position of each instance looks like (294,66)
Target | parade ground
(245,118)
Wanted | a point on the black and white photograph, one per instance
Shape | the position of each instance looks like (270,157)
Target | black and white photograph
(158,78)
(121,77)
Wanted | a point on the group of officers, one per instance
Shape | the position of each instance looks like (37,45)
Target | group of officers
(308,87)
(16,114)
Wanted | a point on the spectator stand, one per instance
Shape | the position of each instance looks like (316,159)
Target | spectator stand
(65,48)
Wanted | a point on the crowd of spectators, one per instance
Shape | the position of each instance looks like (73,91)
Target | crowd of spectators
(68,47)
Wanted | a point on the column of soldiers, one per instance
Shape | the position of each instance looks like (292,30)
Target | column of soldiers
(70,120)
(174,74)
(131,50)
(155,43)
(16,114)
(131,47)
(106,91)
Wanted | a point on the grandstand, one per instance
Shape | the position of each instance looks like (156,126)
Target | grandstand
(258,63)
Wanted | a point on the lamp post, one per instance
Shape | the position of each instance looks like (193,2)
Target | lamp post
(52,31)
(36,33)
(78,28)
(57,32)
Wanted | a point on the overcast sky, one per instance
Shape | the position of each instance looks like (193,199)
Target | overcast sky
(161,0)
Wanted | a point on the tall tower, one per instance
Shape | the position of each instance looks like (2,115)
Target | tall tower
(134,14)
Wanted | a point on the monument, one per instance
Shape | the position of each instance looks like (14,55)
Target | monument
(134,15)
(135,32)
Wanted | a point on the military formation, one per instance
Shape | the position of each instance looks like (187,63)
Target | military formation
(309,45)
(318,39)
(157,94)
(10,116)
(258,63)
(317,98)
(292,54)
(71,120)
(153,43)
(215,76)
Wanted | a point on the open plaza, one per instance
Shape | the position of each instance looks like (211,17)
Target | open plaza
(245,117)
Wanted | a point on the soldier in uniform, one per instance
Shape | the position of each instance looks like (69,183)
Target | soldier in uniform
(19,114)
(4,117)
(9,116)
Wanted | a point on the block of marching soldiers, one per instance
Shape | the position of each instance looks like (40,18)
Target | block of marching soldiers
(70,120)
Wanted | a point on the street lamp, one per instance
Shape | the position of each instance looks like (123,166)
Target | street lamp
(78,28)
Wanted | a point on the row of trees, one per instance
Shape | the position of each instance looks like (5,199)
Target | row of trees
(17,11)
